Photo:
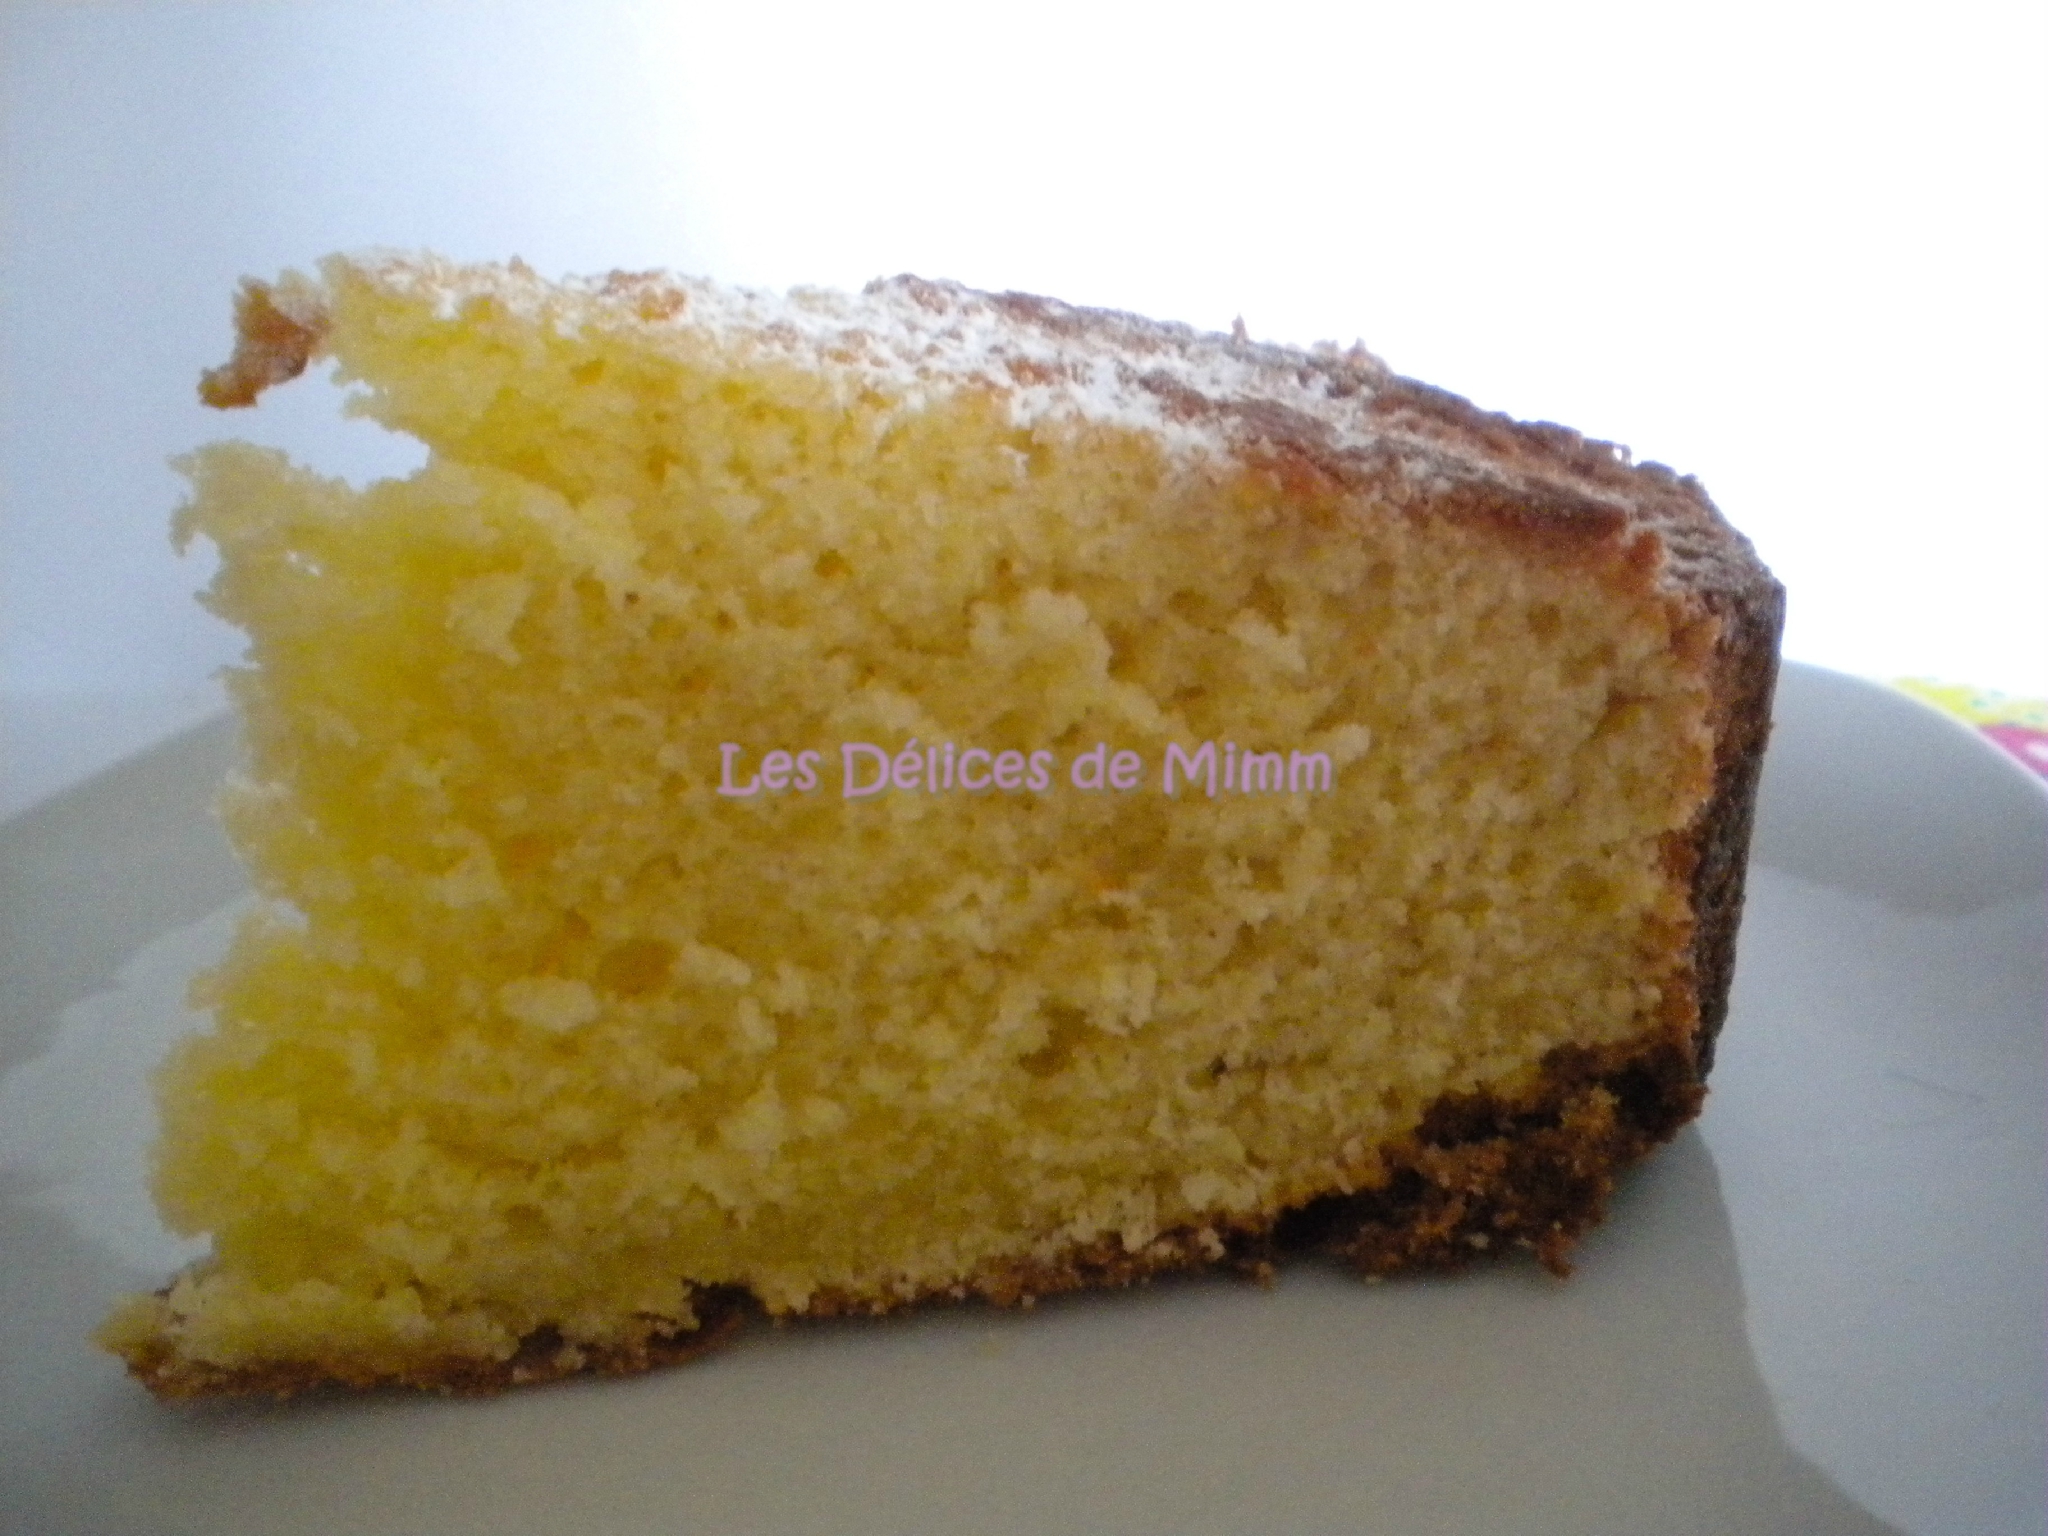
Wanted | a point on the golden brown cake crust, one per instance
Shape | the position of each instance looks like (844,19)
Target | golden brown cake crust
(277,333)
(542,1356)
(1484,1173)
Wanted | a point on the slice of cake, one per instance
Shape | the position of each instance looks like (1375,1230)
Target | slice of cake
(807,804)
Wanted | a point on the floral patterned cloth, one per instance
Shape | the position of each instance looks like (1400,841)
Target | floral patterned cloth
(2018,725)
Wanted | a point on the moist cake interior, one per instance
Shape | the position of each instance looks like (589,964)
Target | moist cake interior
(540,1034)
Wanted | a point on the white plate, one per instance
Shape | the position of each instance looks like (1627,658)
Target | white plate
(1820,1310)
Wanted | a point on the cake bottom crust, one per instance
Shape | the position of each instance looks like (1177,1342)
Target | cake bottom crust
(1482,1175)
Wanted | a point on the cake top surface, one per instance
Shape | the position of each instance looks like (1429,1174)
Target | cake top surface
(1332,412)
(912,339)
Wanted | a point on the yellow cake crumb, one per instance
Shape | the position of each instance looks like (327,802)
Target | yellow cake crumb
(551,1024)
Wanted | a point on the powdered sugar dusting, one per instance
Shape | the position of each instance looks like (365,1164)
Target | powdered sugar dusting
(1204,398)
(911,340)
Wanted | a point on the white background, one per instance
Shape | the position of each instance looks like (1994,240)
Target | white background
(1796,249)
